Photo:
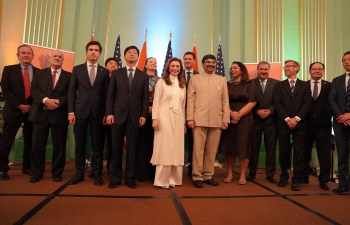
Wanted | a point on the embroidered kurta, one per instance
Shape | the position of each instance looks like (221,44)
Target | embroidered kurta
(168,144)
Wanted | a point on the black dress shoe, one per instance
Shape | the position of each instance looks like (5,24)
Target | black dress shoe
(98,180)
(114,184)
(57,178)
(35,178)
(27,171)
(250,177)
(4,176)
(324,186)
(271,179)
(131,184)
(282,183)
(198,184)
(341,189)
(295,186)
(211,182)
(76,179)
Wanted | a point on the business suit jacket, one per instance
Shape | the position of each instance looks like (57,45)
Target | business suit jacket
(337,97)
(320,109)
(42,88)
(265,102)
(82,97)
(207,100)
(13,90)
(122,100)
(291,105)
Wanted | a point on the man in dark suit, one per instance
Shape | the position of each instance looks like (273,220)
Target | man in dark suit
(126,110)
(49,111)
(189,60)
(15,84)
(319,126)
(86,107)
(264,122)
(292,100)
(339,99)
(111,64)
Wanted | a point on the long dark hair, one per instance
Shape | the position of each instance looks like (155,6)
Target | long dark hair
(244,75)
(180,77)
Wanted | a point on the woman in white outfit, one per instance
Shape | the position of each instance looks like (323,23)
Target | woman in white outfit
(168,117)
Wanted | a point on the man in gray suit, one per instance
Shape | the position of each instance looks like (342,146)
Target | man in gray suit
(264,122)
(339,99)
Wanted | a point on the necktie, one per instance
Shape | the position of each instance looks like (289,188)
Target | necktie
(292,86)
(188,78)
(315,94)
(348,92)
(92,75)
(263,86)
(54,78)
(130,76)
(26,81)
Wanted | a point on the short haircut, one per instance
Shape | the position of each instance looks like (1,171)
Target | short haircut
(110,59)
(315,63)
(208,56)
(190,53)
(24,46)
(293,61)
(132,47)
(263,63)
(56,50)
(93,43)
(346,53)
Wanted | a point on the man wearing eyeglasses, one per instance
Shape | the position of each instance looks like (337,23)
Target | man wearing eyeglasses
(319,125)
(292,100)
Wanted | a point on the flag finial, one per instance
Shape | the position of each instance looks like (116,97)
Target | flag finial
(219,37)
(171,34)
(119,31)
(194,38)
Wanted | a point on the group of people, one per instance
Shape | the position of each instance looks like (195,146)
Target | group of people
(153,114)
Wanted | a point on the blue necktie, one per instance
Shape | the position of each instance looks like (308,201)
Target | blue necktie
(292,86)
(130,76)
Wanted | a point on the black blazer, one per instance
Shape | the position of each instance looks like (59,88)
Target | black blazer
(320,109)
(337,97)
(122,100)
(42,88)
(265,102)
(13,90)
(288,105)
(82,97)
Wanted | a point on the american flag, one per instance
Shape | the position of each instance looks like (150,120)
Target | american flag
(169,55)
(220,69)
(117,52)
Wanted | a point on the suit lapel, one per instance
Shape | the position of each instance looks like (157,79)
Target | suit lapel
(98,72)
(48,78)
(20,77)
(268,85)
(125,77)
(286,86)
(257,83)
(342,83)
(297,86)
(86,72)
(134,80)
(61,79)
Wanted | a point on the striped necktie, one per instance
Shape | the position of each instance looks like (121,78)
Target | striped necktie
(292,86)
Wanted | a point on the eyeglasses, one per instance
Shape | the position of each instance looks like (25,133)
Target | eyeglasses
(319,69)
(287,66)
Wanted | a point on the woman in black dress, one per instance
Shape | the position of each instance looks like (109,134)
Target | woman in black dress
(144,169)
(238,139)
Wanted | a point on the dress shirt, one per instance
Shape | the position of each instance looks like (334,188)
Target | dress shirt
(191,71)
(58,73)
(296,117)
(30,70)
(89,68)
(133,70)
(295,82)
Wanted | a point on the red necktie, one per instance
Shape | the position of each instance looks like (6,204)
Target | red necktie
(54,78)
(26,81)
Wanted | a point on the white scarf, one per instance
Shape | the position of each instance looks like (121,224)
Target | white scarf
(174,104)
